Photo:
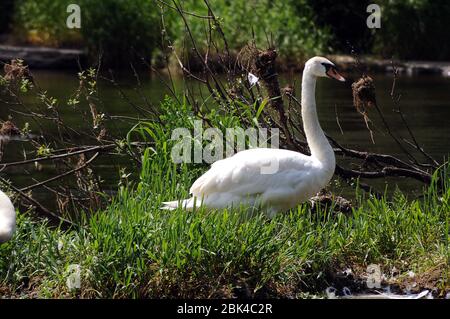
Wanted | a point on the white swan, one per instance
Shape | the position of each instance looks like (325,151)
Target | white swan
(238,180)
(7,218)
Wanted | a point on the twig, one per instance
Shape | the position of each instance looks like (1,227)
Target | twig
(337,119)
(54,157)
(61,175)
(184,11)
(396,102)
(39,207)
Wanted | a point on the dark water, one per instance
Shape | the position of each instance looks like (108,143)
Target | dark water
(425,102)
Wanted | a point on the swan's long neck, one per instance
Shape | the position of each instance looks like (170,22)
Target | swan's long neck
(318,143)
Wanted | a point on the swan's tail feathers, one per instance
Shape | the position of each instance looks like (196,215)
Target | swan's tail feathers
(170,205)
(187,204)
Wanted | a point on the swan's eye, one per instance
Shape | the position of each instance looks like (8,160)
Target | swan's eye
(327,66)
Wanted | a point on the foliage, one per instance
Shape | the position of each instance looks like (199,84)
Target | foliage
(6,11)
(120,29)
(410,29)
(414,29)
(115,28)
(346,22)
(289,25)
(43,22)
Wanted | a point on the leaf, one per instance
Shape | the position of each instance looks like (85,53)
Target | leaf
(261,107)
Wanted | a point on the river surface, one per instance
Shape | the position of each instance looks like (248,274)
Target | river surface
(425,102)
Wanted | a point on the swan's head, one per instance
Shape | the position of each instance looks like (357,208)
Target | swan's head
(322,67)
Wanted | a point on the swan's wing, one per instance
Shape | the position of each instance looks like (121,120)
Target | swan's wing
(242,174)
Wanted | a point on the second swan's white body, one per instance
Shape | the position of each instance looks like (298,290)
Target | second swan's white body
(240,181)
(7,218)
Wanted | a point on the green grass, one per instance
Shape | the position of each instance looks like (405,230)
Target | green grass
(134,249)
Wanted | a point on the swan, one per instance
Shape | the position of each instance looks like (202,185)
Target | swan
(239,179)
(7,218)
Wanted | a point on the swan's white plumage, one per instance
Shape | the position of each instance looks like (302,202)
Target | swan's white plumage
(239,180)
(7,218)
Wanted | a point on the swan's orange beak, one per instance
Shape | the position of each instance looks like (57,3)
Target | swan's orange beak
(332,73)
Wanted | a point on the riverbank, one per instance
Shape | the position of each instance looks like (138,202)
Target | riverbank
(58,58)
(375,65)
(133,249)
(44,57)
